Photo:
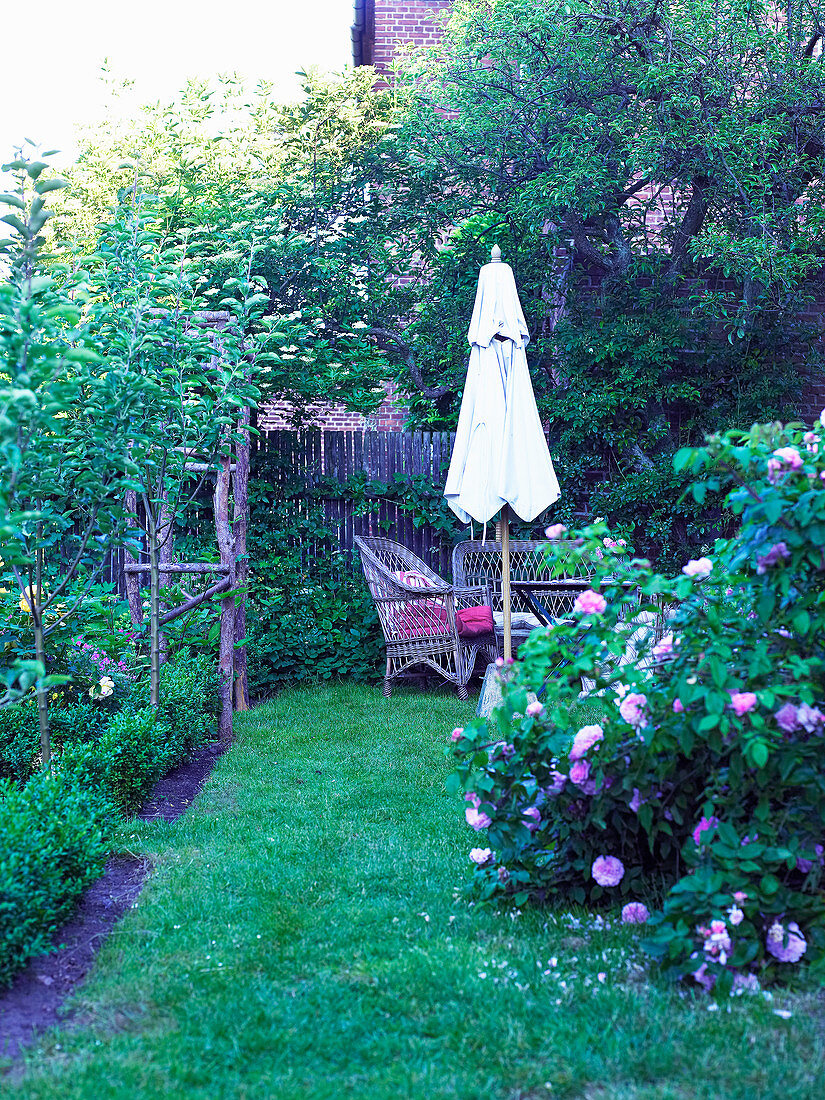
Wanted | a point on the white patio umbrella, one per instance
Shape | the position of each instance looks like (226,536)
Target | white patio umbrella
(500,458)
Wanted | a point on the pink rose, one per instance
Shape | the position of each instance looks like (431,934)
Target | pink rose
(585,739)
(635,913)
(678,706)
(811,440)
(742,702)
(476,819)
(810,718)
(786,718)
(774,470)
(698,567)
(480,855)
(532,818)
(590,603)
(559,779)
(607,870)
(717,941)
(632,708)
(785,946)
(704,825)
(473,799)
(580,772)
(457,733)
(704,979)
(778,552)
(555,531)
(665,647)
(790,456)
(534,709)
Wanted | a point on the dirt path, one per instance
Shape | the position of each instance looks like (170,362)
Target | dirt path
(34,1000)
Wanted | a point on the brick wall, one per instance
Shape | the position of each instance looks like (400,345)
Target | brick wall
(400,23)
(389,417)
(380,29)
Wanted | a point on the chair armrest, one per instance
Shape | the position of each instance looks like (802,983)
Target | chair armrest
(412,590)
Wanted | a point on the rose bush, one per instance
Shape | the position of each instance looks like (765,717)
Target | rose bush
(690,772)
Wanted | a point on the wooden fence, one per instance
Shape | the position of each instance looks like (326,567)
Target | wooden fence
(310,457)
(307,458)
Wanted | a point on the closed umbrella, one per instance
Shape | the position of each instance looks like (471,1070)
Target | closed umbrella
(500,458)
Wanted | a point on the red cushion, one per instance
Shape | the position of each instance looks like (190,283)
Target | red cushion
(473,621)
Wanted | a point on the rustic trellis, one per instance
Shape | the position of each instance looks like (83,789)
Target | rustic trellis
(231,475)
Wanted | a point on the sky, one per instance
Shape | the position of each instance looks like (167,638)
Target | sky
(53,52)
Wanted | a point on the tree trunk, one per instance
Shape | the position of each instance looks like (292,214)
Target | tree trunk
(166,552)
(241,521)
(154,606)
(40,654)
(227,637)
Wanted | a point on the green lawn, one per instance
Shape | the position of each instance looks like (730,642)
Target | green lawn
(303,936)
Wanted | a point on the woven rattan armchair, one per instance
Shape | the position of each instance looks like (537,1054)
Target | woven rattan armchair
(480,563)
(419,623)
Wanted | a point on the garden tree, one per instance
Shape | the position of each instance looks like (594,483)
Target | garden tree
(674,153)
(64,432)
(225,166)
(148,317)
(194,152)
(614,146)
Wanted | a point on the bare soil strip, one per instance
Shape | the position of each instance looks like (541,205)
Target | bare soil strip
(34,1000)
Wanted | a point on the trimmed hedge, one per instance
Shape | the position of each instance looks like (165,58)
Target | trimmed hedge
(53,845)
(126,762)
(54,826)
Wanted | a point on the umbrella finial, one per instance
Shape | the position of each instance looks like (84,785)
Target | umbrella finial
(495,254)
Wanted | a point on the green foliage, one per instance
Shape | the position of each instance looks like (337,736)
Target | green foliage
(53,844)
(310,613)
(107,761)
(705,776)
(189,701)
(135,750)
(19,741)
(64,425)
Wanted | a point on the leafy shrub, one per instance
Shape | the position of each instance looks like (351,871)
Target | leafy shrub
(702,776)
(19,741)
(52,846)
(314,632)
(20,734)
(126,762)
(189,701)
(78,722)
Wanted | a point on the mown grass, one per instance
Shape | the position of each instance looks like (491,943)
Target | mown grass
(303,937)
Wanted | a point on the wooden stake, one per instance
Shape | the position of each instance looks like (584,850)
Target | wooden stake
(240,490)
(227,637)
(132,581)
(166,552)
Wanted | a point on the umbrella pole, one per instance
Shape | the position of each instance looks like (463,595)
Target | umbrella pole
(505,582)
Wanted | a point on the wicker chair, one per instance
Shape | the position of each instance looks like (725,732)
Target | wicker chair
(419,623)
(480,563)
